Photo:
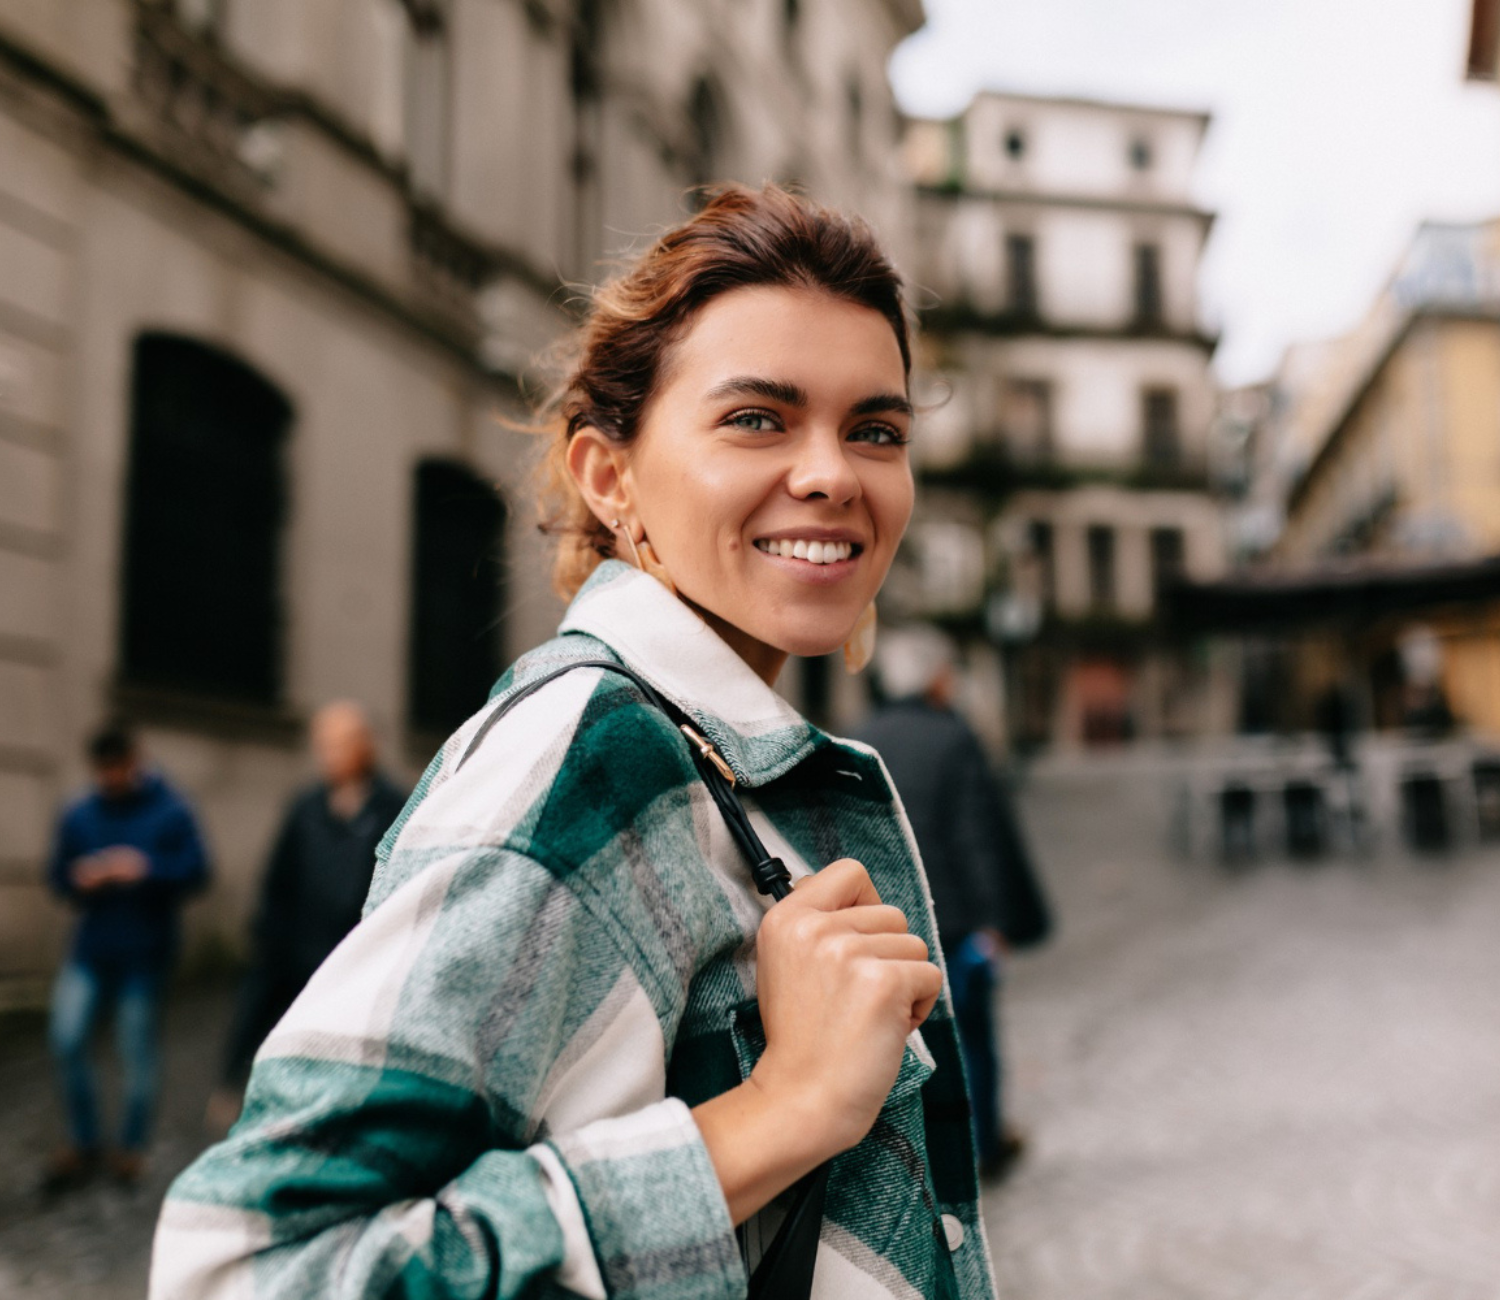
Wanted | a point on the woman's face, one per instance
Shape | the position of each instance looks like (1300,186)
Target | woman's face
(770,472)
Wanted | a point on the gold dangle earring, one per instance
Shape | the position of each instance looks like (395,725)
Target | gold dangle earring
(614,527)
(647,560)
(859,649)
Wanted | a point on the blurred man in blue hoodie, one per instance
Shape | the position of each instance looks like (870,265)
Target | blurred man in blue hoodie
(126,854)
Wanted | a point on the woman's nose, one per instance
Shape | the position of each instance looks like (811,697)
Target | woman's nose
(823,469)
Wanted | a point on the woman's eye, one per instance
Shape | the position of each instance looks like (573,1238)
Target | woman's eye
(882,435)
(754,421)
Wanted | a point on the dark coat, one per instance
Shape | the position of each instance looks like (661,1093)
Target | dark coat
(970,840)
(312,896)
(130,925)
(318,876)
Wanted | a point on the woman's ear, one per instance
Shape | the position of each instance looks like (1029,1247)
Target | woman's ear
(597,465)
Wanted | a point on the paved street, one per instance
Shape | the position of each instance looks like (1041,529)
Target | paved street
(1278,1085)
(1275,1086)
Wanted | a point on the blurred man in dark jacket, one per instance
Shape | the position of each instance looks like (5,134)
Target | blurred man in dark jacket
(314,887)
(984,891)
(126,854)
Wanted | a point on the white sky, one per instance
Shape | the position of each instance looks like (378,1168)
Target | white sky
(1338,126)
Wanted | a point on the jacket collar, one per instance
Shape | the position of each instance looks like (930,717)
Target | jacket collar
(759,734)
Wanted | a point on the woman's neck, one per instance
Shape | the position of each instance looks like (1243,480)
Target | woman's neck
(765,661)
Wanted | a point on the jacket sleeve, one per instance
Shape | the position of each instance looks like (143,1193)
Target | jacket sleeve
(278,888)
(425,1121)
(66,850)
(177,862)
(978,850)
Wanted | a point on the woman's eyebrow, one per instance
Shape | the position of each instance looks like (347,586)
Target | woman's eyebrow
(773,390)
(882,404)
(790,394)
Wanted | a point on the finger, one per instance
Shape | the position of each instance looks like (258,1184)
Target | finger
(921,1010)
(841,884)
(892,947)
(924,985)
(874,918)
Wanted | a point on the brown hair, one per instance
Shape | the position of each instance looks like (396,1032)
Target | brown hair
(741,237)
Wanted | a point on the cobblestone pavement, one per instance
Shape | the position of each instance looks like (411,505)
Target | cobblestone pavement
(1274,1085)
(1282,1084)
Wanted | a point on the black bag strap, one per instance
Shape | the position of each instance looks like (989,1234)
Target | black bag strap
(785,1271)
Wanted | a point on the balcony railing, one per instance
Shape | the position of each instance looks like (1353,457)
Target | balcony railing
(207,114)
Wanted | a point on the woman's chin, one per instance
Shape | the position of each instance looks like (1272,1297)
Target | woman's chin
(806,645)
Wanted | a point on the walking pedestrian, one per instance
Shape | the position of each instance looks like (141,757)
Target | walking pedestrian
(314,885)
(571,1048)
(985,892)
(126,854)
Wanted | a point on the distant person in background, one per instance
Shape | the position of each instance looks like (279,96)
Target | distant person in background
(314,887)
(126,855)
(984,890)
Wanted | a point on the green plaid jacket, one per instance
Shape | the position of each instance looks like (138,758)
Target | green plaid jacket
(485,1091)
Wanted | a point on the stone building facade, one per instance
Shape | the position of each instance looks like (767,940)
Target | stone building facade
(1385,457)
(1067,462)
(269,272)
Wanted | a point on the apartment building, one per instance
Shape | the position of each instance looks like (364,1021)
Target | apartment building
(1067,459)
(269,272)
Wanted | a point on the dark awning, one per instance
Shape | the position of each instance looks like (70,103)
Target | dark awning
(1328,596)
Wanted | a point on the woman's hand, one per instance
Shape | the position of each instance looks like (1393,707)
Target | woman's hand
(841,984)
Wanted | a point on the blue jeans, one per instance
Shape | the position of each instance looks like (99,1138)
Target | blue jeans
(82,992)
(974,975)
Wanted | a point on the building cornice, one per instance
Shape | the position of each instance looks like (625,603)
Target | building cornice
(1347,411)
(1094,202)
(959,318)
(1199,115)
(125,130)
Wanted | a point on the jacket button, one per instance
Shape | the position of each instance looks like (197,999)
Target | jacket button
(952,1231)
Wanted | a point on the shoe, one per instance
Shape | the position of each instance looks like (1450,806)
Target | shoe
(67,1171)
(127,1167)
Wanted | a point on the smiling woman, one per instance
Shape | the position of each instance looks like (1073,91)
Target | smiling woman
(571,1049)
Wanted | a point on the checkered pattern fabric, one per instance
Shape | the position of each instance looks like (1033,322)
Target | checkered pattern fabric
(485,1091)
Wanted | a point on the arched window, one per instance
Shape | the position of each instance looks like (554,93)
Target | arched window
(203,522)
(458,570)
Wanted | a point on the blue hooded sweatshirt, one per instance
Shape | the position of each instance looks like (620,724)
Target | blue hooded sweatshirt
(131,925)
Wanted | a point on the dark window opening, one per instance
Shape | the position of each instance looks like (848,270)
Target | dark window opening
(458,572)
(1020,265)
(1148,295)
(1015,145)
(1140,154)
(1040,538)
(585,50)
(1101,548)
(1484,40)
(1168,557)
(1161,436)
(205,503)
(706,137)
(854,96)
(1026,418)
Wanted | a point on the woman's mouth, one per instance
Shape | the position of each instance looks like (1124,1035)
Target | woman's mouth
(813,551)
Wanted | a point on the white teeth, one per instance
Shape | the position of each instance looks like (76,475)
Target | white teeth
(812,552)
